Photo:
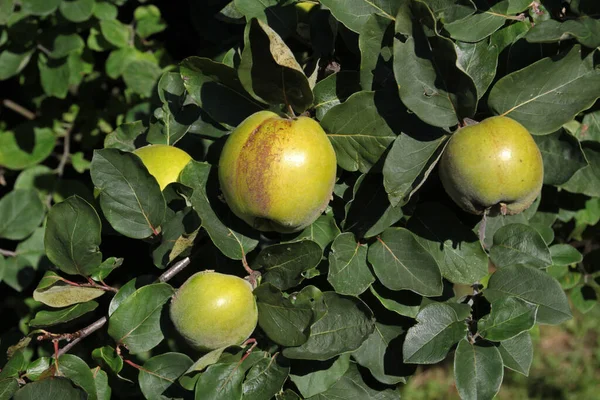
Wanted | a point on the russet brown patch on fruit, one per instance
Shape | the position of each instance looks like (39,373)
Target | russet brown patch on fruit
(257,154)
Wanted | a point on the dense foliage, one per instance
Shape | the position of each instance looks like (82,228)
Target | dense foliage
(392,275)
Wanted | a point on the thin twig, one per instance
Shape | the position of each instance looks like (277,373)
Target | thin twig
(19,109)
(88,330)
(65,154)
(7,253)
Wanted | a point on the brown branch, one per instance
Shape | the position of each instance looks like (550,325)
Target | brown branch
(19,109)
(65,154)
(7,253)
(88,330)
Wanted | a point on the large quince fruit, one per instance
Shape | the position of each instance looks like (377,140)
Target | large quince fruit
(495,162)
(212,310)
(163,162)
(277,174)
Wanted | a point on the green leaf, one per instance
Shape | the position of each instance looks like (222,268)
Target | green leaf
(358,130)
(220,382)
(72,237)
(438,328)
(534,286)
(115,32)
(8,387)
(348,270)
(495,222)
(478,371)
(265,379)
(136,322)
(105,10)
(396,300)
(564,254)
(369,212)
(12,63)
(370,41)
(477,27)
(108,356)
(103,391)
(59,387)
(562,156)
(6,10)
(59,294)
(517,353)
(215,87)
(380,354)
(584,298)
(479,61)
(54,76)
(590,127)
(77,10)
(148,21)
(141,76)
(34,145)
(544,102)
(519,244)
(323,231)
(318,379)
(587,180)
(334,90)
(430,83)
(119,60)
(265,56)
(160,372)
(64,45)
(78,371)
(585,30)
(279,15)
(216,218)
(130,197)
(510,316)
(49,318)
(181,227)
(355,13)
(283,264)
(455,248)
(21,211)
(39,7)
(345,326)
(509,35)
(124,136)
(36,369)
(409,163)
(400,262)
(352,386)
(284,322)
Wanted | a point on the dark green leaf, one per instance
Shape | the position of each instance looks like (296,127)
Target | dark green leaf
(323,231)
(59,294)
(34,144)
(564,254)
(130,197)
(119,60)
(585,30)
(265,379)
(333,90)
(54,76)
(282,321)
(396,301)
(283,264)
(477,27)
(21,211)
(220,382)
(64,45)
(534,286)
(108,356)
(355,13)
(479,61)
(358,130)
(544,102)
(587,180)
(115,32)
(281,16)
(49,318)
(517,353)
(73,237)
(141,76)
(319,380)
(381,353)
(78,371)
(216,218)
(160,372)
(438,328)
(345,326)
(136,323)
(400,262)
(348,270)
(562,157)
(510,316)
(519,244)
(266,56)
(455,248)
(370,41)
(216,88)
(39,7)
(478,371)
(124,136)
(59,387)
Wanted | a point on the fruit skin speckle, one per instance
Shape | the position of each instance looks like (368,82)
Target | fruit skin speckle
(495,162)
(277,174)
(213,310)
